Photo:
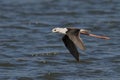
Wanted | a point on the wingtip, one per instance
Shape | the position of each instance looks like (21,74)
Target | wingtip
(84,48)
(77,59)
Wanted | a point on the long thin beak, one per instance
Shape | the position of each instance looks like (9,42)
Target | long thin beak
(97,36)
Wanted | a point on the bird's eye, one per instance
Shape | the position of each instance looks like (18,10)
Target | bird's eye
(54,29)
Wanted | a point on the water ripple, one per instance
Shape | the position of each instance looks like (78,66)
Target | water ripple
(30,51)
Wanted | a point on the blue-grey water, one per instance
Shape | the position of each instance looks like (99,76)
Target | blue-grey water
(30,51)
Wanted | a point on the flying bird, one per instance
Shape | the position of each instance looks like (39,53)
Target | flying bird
(72,39)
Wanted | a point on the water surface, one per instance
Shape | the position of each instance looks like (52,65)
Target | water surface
(30,51)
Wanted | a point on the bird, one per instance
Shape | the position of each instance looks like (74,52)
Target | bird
(72,40)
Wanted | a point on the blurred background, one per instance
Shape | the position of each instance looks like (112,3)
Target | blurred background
(30,51)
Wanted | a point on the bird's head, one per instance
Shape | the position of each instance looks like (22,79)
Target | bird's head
(60,30)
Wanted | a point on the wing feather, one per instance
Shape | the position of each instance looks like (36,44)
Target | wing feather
(74,35)
(71,47)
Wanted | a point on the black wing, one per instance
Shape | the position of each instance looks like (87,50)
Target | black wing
(77,41)
(71,47)
(74,35)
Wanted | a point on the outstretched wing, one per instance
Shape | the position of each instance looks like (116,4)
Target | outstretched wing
(71,47)
(74,35)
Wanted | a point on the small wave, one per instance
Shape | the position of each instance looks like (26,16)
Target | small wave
(15,27)
(99,12)
(51,14)
(6,64)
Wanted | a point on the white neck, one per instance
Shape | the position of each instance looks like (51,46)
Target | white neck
(63,30)
(60,30)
